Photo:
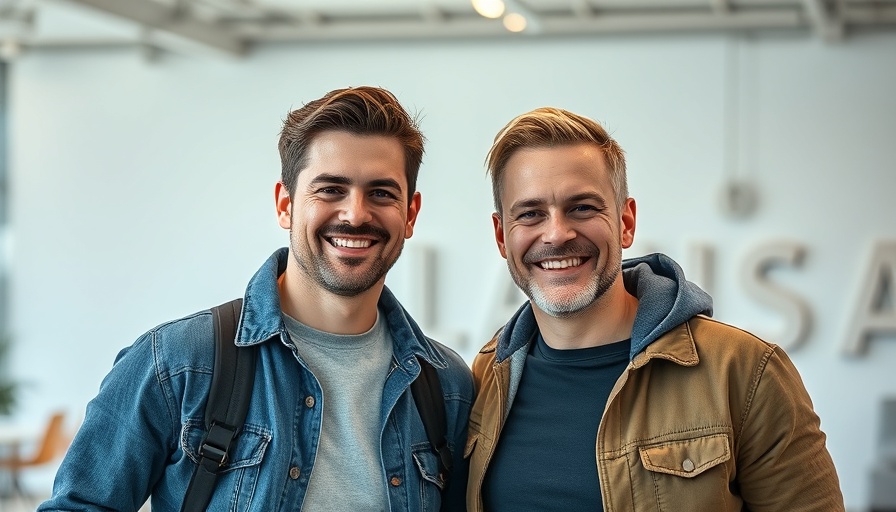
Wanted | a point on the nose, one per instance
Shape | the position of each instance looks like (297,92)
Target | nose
(557,230)
(354,210)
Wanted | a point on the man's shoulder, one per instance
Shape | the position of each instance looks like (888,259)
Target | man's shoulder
(704,328)
(187,341)
(455,370)
(721,341)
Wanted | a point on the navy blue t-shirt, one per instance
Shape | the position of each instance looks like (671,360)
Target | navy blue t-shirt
(546,459)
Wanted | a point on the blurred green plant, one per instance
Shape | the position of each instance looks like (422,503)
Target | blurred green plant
(8,387)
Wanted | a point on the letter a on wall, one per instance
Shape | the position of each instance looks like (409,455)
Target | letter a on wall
(876,311)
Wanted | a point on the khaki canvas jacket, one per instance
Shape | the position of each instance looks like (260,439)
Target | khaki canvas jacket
(706,418)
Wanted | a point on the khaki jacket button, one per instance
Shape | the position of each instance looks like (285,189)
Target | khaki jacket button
(688,465)
(309,401)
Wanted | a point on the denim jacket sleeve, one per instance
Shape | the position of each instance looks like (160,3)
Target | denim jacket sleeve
(129,435)
(129,445)
(454,498)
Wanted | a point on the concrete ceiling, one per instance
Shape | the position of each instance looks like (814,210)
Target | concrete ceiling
(234,27)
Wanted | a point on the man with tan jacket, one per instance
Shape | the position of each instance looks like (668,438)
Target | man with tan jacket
(612,388)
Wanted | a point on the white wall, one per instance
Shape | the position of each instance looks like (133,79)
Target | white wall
(142,191)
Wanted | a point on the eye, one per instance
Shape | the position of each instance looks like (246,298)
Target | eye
(383,194)
(327,191)
(583,210)
(528,216)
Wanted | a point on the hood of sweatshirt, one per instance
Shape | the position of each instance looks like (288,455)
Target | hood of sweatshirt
(665,300)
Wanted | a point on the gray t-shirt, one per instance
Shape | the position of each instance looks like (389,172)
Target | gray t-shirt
(351,369)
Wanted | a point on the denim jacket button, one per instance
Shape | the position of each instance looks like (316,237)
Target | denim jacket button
(688,465)
(294,473)
(309,401)
(395,481)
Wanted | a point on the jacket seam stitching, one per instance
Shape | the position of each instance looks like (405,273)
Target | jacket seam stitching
(637,443)
(754,386)
(156,358)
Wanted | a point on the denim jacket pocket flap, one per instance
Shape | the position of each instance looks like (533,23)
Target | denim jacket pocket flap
(428,464)
(686,458)
(246,450)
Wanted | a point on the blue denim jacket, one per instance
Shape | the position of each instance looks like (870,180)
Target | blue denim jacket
(141,433)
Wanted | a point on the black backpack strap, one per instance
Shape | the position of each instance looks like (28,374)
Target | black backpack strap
(227,405)
(427,391)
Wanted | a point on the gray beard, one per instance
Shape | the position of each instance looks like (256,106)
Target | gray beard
(571,306)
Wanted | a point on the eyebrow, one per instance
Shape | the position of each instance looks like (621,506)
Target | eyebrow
(321,179)
(335,179)
(385,183)
(525,204)
(533,203)
(588,196)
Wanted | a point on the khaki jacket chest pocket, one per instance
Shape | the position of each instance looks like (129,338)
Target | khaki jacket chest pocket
(686,458)
(688,474)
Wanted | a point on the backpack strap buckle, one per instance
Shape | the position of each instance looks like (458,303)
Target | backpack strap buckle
(216,443)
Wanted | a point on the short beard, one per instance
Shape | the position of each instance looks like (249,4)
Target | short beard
(329,277)
(569,306)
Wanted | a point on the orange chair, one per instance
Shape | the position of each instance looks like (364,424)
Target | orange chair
(52,445)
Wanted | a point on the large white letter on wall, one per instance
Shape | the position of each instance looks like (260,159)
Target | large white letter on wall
(797,315)
(876,312)
(702,268)
(417,277)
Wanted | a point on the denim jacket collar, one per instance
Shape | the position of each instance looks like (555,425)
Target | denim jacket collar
(261,318)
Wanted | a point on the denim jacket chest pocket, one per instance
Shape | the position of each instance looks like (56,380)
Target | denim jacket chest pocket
(240,472)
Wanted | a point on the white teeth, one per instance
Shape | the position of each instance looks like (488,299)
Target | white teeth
(347,242)
(569,262)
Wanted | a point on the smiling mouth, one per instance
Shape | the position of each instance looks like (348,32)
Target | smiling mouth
(561,264)
(350,243)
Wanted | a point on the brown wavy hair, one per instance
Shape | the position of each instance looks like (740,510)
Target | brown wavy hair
(360,110)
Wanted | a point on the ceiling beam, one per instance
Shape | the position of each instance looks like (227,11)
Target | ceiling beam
(826,24)
(228,26)
(721,6)
(170,21)
(572,24)
(582,8)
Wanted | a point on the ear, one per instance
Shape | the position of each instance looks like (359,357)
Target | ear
(499,234)
(413,210)
(283,204)
(627,223)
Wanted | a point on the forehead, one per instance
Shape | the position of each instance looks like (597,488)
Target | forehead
(360,158)
(553,173)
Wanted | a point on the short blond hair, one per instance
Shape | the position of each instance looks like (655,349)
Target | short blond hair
(547,127)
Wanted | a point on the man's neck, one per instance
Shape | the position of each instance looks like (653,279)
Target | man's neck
(608,320)
(303,299)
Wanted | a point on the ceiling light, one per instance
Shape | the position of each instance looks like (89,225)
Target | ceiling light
(489,8)
(515,22)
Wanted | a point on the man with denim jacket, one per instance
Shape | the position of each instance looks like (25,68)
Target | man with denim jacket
(332,424)
(611,388)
